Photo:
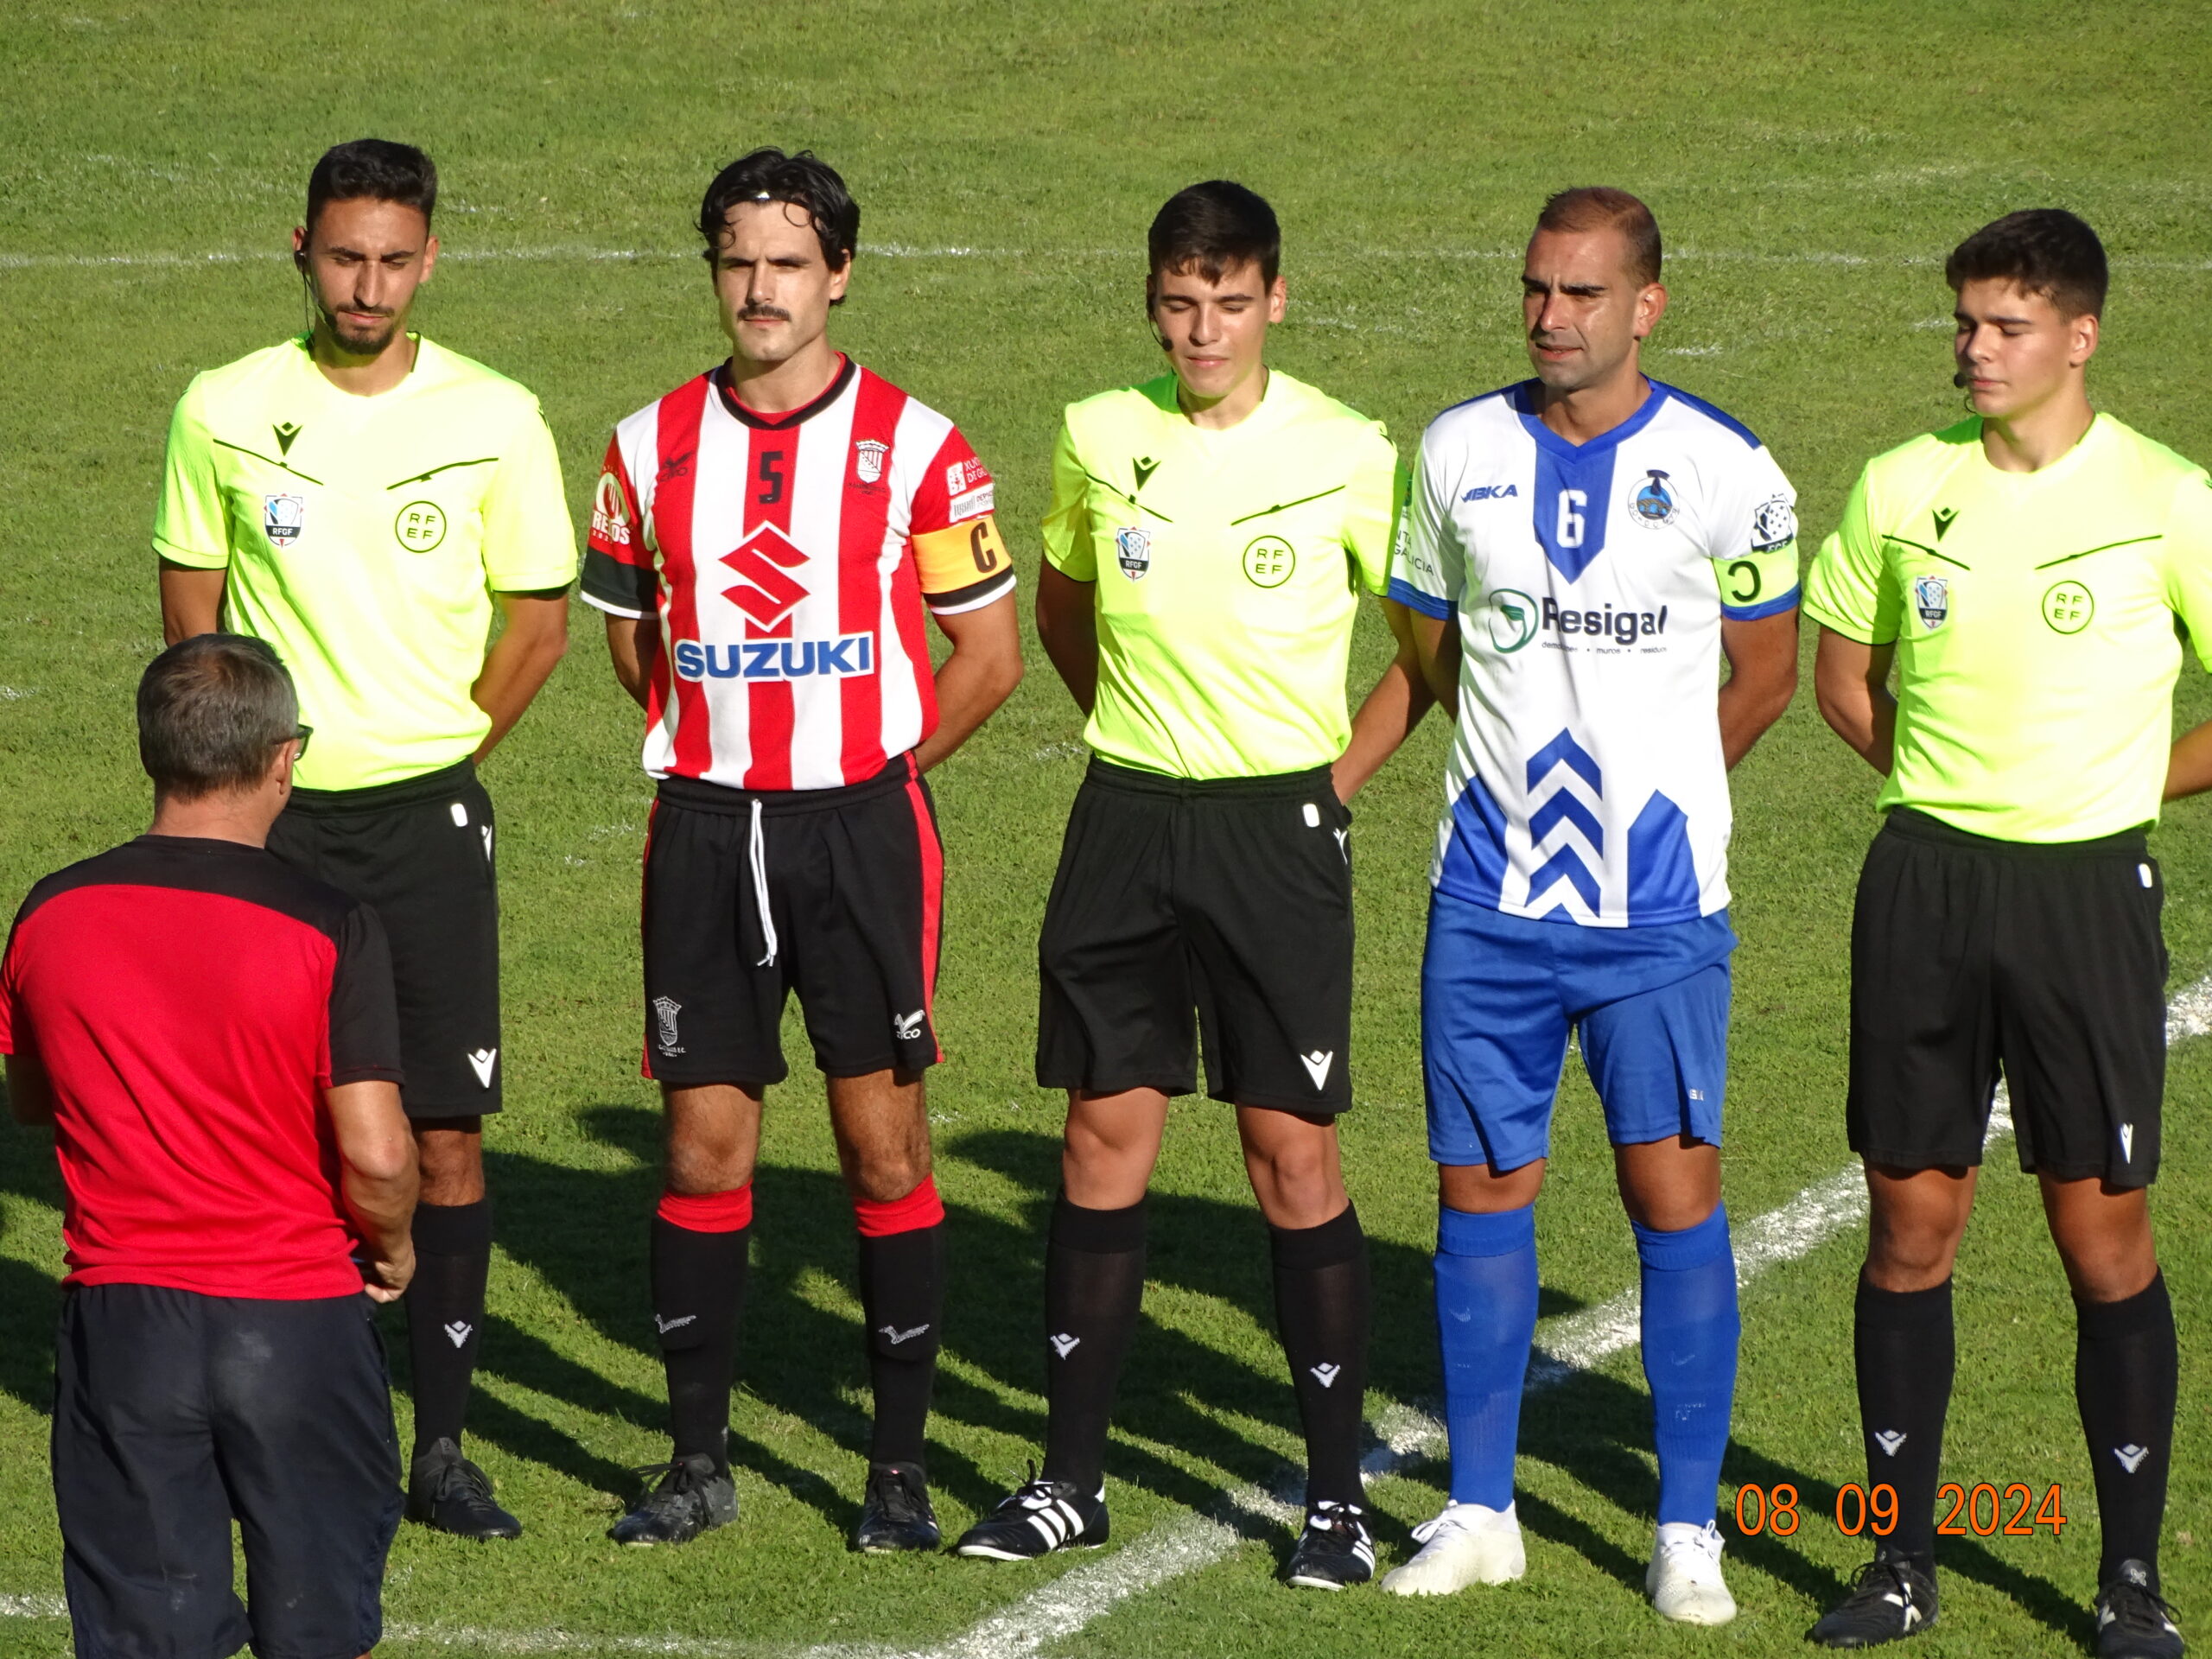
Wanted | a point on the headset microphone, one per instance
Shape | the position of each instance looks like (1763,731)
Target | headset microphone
(1962,379)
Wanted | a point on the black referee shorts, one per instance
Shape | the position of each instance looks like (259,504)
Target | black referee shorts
(1230,898)
(421,851)
(835,894)
(1968,954)
(174,1414)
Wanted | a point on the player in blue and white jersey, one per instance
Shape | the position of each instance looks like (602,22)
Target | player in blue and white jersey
(1581,549)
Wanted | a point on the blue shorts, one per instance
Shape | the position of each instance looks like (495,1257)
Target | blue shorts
(1500,994)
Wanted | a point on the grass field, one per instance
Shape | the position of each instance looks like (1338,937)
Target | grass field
(1809,166)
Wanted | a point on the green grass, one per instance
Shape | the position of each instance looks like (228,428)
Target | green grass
(1809,166)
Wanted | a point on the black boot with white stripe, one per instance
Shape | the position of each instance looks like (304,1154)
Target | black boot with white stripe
(1335,1550)
(1035,1519)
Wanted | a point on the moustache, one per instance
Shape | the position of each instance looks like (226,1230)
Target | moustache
(763,314)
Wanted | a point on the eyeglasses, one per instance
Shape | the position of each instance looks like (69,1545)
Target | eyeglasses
(300,737)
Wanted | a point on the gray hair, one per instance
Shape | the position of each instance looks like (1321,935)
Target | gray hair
(212,710)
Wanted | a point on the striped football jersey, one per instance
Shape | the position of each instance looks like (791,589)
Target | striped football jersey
(789,558)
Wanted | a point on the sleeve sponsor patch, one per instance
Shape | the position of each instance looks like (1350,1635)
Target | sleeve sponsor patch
(969,474)
(974,502)
(610,512)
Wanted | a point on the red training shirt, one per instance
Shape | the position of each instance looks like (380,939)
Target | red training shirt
(190,999)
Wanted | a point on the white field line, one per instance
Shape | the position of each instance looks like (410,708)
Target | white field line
(576,252)
(1577,1342)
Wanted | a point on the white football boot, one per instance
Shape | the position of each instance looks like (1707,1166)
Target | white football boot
(1684,1579)
(1467,1544)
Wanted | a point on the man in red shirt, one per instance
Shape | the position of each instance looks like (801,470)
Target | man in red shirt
(214,1038)
(764,541)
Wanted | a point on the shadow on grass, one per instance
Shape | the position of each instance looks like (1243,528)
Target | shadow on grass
(586,1233)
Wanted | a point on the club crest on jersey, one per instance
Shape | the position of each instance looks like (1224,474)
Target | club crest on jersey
(867,460)
(1931,598)
(1653,505)
(282,518)
(1133,552)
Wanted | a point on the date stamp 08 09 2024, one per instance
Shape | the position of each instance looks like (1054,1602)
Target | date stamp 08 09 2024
(1980,1509)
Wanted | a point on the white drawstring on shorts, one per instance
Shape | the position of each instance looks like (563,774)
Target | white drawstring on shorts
(760,887)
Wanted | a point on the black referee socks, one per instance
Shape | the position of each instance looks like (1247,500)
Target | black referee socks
(1094,1286)
(2124,1372)
(445,1313)
(1905,1352)
(1321,1307)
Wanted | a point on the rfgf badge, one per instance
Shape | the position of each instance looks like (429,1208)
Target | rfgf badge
(1133,552)
(282,518)
(1931,598)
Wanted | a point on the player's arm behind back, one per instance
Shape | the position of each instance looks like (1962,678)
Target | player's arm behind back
(968,582)
(530,559)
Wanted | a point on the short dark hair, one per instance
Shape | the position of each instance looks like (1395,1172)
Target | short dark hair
(2044,250)
(1211,228)
(212,710)
(375,169)
(1601,208)
(803,181)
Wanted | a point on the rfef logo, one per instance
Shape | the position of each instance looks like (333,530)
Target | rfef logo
(847,656)
(1931,600)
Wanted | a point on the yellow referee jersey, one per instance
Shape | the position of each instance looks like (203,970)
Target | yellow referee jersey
(2034,616)
(364,538)
(1228,566)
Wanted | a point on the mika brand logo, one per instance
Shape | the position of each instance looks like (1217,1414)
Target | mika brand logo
(847,656)
(1622,627)
(1490,492)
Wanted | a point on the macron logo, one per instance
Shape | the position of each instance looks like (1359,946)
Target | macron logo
(1889,1439)
(1065,1344)
(459,1332)
(1325,1374)
(481,1061)
(2131,1457)
(1317,1066)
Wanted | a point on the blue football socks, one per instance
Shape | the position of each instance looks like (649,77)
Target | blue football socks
(1690,1330)
(1486,1314)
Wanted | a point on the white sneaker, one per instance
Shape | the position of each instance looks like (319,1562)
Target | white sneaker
(1684,1580)
(1467,1544)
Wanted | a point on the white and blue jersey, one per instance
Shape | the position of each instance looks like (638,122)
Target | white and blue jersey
(1586,783)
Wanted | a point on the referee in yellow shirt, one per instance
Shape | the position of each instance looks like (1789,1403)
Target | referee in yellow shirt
(2030,575)
(365,501)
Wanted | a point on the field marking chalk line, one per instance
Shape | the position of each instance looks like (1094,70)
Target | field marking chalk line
(1565,1345)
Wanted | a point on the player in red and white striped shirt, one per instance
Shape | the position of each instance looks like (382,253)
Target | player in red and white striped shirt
(764,541)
